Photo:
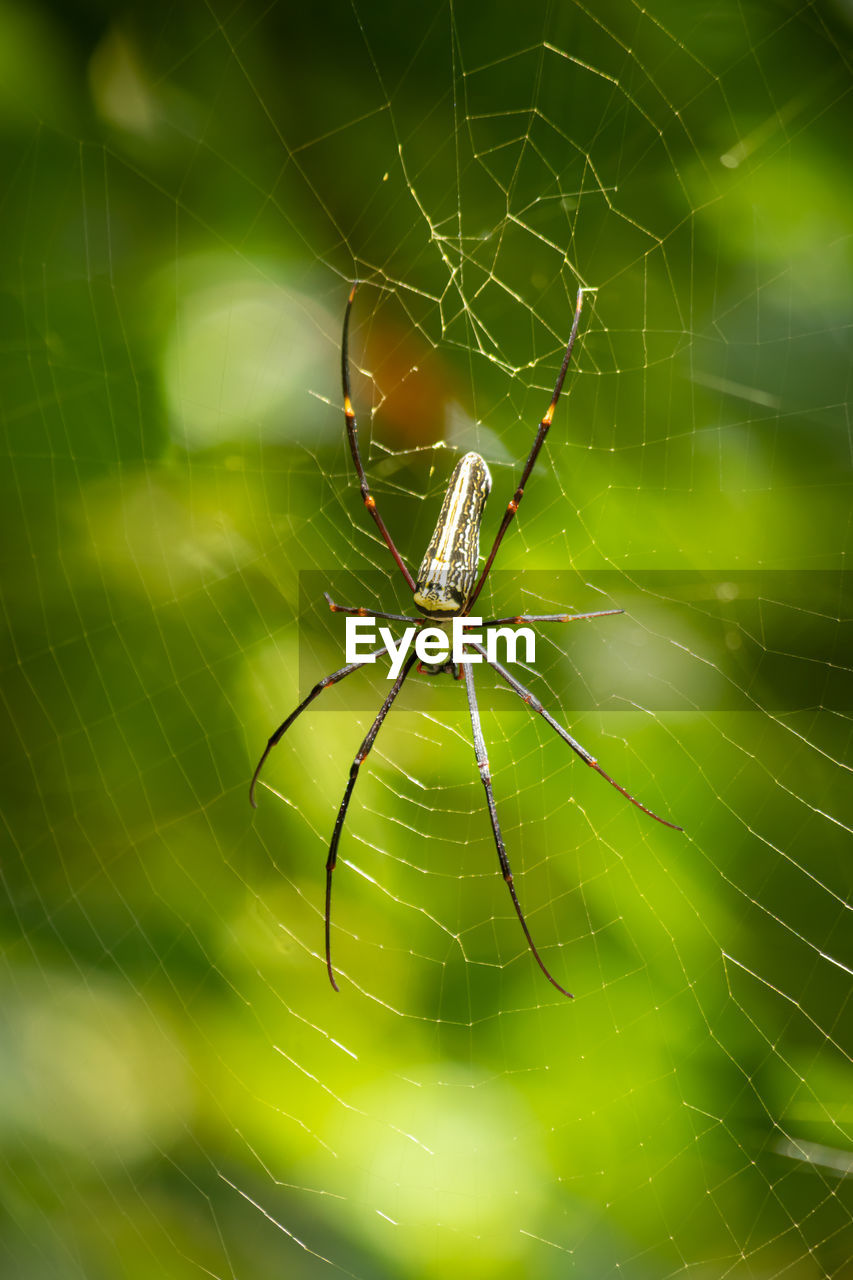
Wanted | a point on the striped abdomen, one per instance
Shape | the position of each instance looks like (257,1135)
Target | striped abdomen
(449,568)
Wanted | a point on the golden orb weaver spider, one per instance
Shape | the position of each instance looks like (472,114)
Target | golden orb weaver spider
(447,586)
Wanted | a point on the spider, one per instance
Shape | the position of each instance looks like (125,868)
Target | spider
(447,586)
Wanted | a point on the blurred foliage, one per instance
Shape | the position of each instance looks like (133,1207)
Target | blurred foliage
(188,192)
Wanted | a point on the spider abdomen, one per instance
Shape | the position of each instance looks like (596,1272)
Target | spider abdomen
(449,567)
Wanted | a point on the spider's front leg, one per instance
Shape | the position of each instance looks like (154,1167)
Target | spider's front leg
(483,766)
(544,427)
(352,435)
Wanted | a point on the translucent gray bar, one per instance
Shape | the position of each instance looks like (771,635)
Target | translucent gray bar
(778,641)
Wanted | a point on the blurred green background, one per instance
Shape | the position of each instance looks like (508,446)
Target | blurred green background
(188,192)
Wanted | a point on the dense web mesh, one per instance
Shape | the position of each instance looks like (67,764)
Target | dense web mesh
(189,194)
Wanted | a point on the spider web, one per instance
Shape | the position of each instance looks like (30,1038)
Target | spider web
(190,193)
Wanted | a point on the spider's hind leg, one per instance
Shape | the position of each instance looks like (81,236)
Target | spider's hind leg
(282,729)
(483,765)
(535,705)
(361,755)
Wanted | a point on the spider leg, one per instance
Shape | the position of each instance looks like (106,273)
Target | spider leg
(550,617)
(352,433)
(515,501)
(283,728)
(360,612)
(483,765)
(342,812)
(536,705)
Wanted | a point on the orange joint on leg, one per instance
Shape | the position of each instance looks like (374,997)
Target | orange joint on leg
(512,505)
(546,421)
(370,502)
(348,409)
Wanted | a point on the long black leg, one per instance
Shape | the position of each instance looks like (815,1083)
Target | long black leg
(483,766)
(547,617)
(342,812)
(318,689)
(514,502)
(352,433)
(536,705)
(359,611)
